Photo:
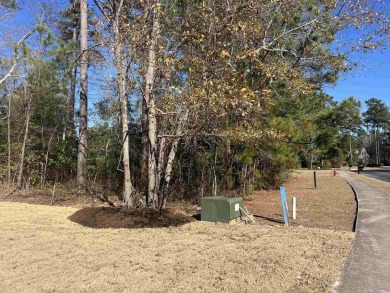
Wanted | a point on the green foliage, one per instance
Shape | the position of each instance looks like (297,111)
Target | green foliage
(9,4)
(377,113)
(377,117)
(250,75)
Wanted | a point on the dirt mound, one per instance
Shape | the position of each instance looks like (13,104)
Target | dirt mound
(115,217)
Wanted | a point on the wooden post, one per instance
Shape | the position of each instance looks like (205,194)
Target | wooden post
(315,180)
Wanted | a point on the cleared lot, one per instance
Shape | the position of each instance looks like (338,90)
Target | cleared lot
(43,251)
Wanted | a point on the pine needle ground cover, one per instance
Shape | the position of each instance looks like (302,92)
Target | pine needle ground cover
(43,251)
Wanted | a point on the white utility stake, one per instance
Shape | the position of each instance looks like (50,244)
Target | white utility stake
(294,204)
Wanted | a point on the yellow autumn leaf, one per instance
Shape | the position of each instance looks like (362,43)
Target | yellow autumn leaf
(224,53)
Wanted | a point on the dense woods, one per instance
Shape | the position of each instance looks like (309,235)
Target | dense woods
(191,97)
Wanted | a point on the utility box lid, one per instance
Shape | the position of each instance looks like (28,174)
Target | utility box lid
(221,208)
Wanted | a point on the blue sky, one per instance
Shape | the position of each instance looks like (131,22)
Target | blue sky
(371,80)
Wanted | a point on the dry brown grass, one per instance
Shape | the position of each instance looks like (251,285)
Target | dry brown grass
(42,251)
(331,205)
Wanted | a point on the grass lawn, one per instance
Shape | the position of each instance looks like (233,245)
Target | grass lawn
(43,251)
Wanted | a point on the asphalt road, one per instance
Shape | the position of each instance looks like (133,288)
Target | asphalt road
(377,173)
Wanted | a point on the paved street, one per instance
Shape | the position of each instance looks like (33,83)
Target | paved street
(377,173)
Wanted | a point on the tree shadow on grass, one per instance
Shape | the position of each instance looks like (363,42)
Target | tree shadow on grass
(198,218)
(119,217)
(269,219)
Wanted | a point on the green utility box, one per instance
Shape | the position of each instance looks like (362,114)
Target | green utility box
(221,208)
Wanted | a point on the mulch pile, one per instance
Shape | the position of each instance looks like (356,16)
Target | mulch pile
(120,217)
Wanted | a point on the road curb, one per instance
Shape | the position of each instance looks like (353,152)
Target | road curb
(367,266)
(337,284)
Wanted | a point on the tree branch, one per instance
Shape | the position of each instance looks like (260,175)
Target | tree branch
(16,56)
(100,6)
(2,19)
(89,48)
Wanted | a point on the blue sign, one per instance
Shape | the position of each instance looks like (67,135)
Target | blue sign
(284,204)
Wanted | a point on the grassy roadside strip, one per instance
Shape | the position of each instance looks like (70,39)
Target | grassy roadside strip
(381,185)
(42,251)
(331,205)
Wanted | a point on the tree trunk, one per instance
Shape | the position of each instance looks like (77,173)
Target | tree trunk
(144,142)
(9,142)
(350,147)
(244,175)
(151,107)
(145,148)
(169,166)
(121,71)
(168,173)
(44,174)
(229,163)
(311,161)
(83,128)
(72,96)
(161,162)
(22,155)
(378,145)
